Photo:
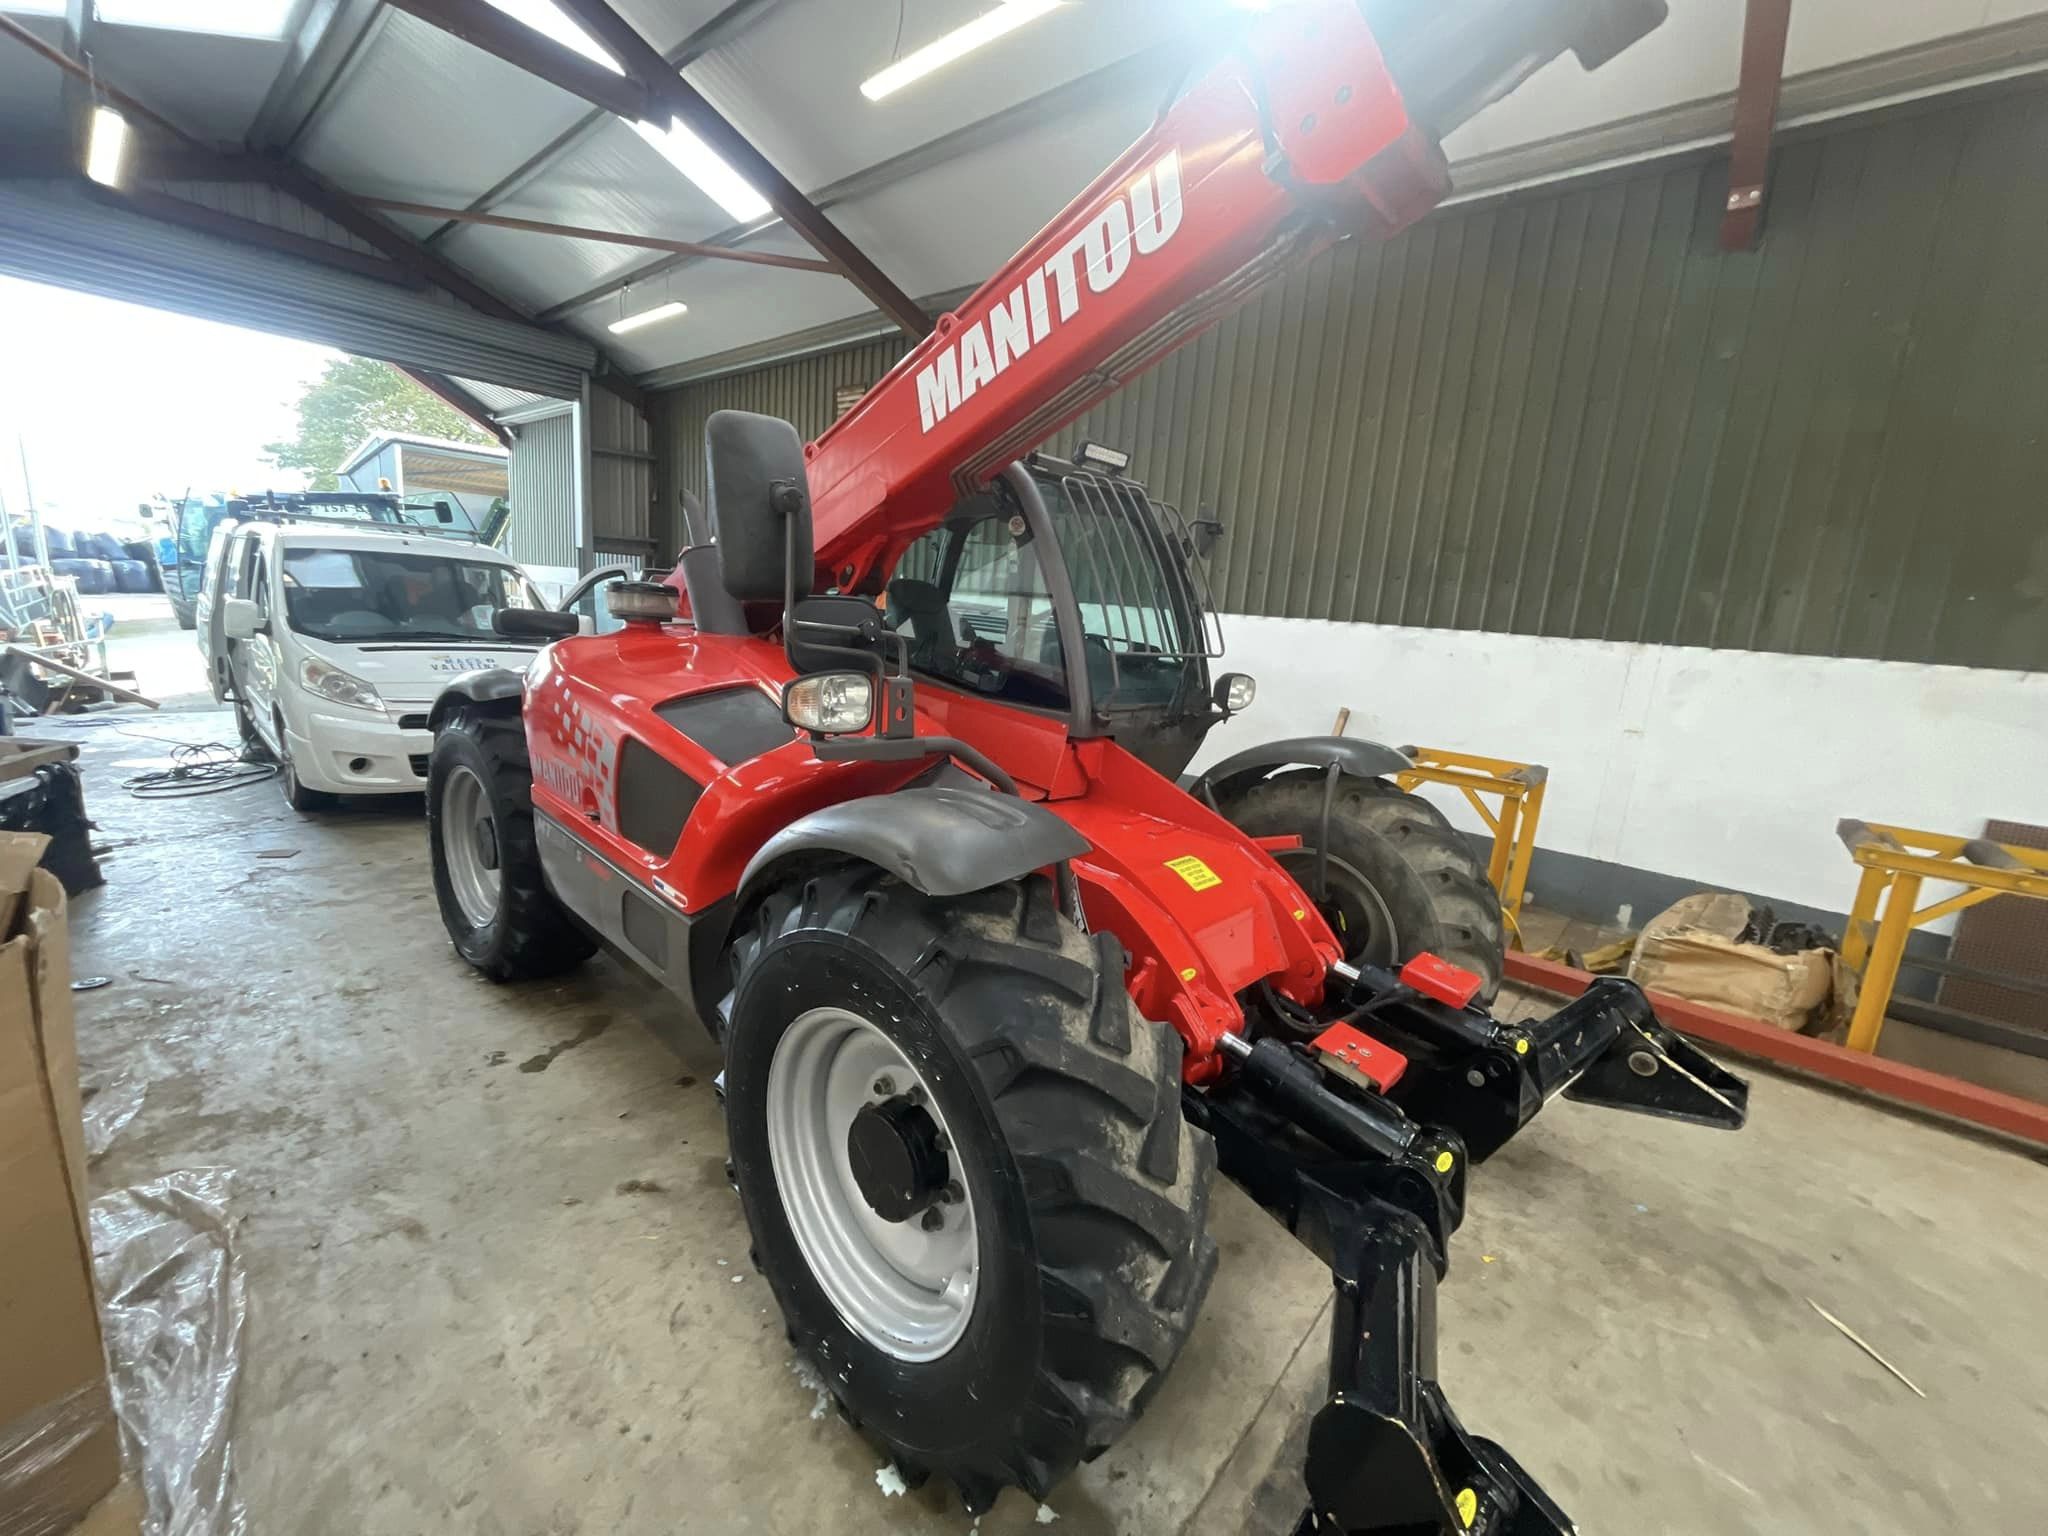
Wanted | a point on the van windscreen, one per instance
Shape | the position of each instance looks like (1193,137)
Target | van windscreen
(353,595)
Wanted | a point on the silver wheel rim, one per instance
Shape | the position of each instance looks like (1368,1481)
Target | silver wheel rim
(469,842)
(907,1290)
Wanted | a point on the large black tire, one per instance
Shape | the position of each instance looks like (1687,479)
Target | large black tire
(1401,879)
(530,934)
(1063,1108)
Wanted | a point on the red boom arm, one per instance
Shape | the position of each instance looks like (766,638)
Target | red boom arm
(1301,137)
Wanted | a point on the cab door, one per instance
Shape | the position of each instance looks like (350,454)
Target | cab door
(227,562)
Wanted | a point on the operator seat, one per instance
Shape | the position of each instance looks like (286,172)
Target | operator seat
(934,643)
(746,458)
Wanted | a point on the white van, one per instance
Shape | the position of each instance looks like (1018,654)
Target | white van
(334,643)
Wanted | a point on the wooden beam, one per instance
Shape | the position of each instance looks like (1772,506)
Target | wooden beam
(2005,1113)
(1756,110)
(605,236)
(453,395)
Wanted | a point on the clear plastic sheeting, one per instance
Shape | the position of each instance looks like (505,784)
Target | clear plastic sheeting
(36,1443)
(174,1303)
(109,1106)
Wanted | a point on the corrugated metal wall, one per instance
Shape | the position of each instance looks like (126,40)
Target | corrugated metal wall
(621,480)
(1572,414)
(799,392)
(543,475)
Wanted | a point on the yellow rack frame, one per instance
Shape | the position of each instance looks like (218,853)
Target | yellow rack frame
(1519,787)
(1895,861)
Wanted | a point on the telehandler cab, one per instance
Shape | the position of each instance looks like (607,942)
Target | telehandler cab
(882,784)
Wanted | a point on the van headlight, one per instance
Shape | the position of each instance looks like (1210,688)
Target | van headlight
(340,687)
(830,704)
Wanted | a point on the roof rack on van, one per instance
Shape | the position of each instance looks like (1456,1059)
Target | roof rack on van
(399,525)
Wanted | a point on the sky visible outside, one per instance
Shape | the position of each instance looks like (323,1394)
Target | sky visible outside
(115,402)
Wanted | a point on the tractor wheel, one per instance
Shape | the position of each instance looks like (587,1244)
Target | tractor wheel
(1400,880)
(964,1165)
(487,876)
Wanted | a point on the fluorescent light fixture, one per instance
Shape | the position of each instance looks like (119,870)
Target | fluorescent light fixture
(266,19)
(660,312)
(984,29)
(106,147)
(548,19)
(680,147)
(714,178)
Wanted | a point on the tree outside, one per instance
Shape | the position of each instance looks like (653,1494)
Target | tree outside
(355,398)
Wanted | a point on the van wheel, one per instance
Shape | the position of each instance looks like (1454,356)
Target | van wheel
(254,748)
(487,877)
(297,795)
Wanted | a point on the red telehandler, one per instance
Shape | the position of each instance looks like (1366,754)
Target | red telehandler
(882,784)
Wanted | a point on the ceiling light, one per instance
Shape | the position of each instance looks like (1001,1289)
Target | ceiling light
(266,19)
(984,29)
(660,312)
(549,20)
(106,147)
(714,178)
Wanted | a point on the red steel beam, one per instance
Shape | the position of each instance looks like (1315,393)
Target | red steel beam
(603,236)
(1892,1080)
(673,96)
(455,397)
(1756,111)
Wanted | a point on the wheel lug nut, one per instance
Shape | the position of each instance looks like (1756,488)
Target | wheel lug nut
(952,1194)
(884,1087)
(933,1219)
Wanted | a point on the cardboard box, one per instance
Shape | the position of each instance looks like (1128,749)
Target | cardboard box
(1690,950)
(59,1446)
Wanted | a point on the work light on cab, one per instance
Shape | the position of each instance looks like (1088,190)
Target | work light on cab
(830,704)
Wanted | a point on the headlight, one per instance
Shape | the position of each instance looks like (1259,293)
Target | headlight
(1235,691)
(331,682)
(832,703)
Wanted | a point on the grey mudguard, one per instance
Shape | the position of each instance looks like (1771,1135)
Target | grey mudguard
(944,841)
(1361,759)
(496,686)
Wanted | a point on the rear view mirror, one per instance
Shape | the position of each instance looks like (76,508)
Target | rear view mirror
(533,624)
(240,619)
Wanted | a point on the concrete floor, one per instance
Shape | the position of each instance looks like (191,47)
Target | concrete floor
(498,1283)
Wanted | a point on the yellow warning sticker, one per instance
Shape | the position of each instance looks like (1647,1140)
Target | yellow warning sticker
(1468,1506)
(1198,875)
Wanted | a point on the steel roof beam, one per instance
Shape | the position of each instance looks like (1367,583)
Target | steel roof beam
(1756,109)
(453,395)
(651,90)
(728,23)
(1127,73)
(484,26)
(322,198)
(676,97)
(604,236)
(177,210)
(330,43)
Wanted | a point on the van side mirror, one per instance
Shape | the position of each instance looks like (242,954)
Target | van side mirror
(240,619)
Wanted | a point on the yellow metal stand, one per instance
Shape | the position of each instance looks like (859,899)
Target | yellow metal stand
(1895,861)
(1519,787)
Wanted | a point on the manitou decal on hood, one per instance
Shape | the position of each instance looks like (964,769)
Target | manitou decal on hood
(1137,221)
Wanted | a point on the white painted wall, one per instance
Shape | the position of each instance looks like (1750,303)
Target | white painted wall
(1726,767)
